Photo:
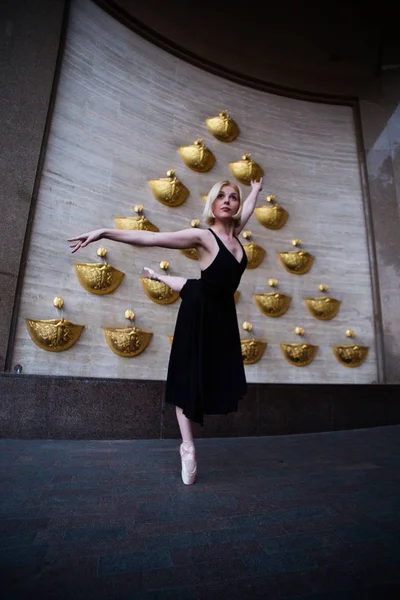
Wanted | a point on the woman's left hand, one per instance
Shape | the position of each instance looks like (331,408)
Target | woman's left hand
(256,185)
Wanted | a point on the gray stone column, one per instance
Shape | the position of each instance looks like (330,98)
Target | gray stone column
(380,117)
(29,42)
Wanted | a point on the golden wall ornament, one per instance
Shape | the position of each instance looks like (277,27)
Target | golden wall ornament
(246,169)
(191,252)
(255,253)
(322,287)
(296,261)
(299,355)
(273,282)
(158,291)
(58,302)
(169,190)
(271,215)
(54,335)
(299,330)
(351,355)
(139,223)
(323,308)
(197,156)
(223,127)
(127,341)
(98,278)
(350,333)
(273,304)
(252,350)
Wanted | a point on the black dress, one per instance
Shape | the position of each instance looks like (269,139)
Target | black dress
(206,372)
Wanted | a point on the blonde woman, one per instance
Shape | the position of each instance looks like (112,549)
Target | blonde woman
(205,372)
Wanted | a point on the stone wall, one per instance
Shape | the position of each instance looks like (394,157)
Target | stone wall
(123,107)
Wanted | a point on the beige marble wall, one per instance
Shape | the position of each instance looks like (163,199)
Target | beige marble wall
(123,107)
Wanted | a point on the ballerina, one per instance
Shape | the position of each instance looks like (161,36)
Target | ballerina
(205,372)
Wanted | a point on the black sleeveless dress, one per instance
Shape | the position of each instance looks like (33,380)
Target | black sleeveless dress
(206,373)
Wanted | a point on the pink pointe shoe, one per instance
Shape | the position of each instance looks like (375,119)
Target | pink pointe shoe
(189,465)
(149,274)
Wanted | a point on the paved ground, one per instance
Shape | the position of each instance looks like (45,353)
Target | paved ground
(306,516)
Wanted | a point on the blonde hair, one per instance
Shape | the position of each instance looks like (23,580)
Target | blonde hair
(208,214)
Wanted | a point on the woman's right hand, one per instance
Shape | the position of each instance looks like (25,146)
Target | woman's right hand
(83,240)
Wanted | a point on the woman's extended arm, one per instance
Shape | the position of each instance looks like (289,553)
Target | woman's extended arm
(185,238)
(249,205)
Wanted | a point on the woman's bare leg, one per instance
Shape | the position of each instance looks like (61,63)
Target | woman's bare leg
(187,449)
(185,426)
(175,283)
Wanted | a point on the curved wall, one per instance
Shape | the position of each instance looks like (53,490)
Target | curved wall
(123,107)
(322,49)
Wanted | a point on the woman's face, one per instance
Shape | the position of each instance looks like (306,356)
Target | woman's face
(226,203)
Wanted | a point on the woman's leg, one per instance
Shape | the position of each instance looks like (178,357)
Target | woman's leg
(175,283)
(187,450)
(185,426)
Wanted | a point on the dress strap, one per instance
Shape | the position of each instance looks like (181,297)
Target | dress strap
(215,235)
(239,241)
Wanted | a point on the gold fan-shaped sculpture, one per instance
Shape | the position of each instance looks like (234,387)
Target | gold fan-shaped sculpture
(351,355)
(273,304)
(223,127)
(255,253)
(272,215)
(54,335)
(296,261)
(140,222)
(169,190)
(323,308)
(159,292)
(246,169)
(197,156)
(98,278)
(127,341)
(299,355)
(252,350)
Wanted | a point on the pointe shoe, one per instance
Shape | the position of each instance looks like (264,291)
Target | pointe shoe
(149,274)
(189,465)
